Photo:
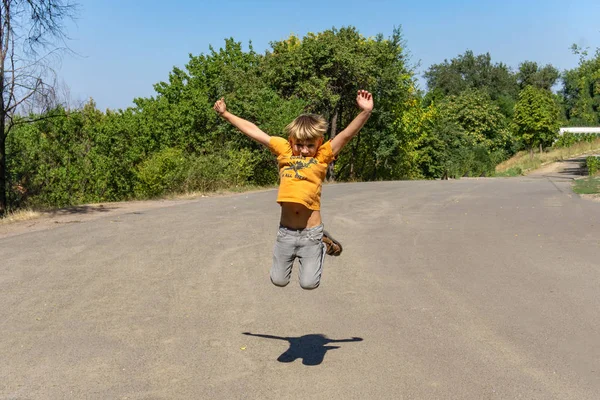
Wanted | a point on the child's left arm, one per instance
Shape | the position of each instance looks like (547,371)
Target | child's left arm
(364,101)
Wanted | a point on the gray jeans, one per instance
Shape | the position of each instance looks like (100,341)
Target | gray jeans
(308,246)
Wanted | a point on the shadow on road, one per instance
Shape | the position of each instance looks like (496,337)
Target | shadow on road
(85,209)
(569,169)
(310,348)
(576,166)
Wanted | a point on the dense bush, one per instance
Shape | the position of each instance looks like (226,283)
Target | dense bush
(593,165)
(568,138)
(163,172)
(229,169)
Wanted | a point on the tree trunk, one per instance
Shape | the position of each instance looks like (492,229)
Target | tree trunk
(352,156)
(541,149)
(3,205)
(531,153)
(4,32)
(332,134)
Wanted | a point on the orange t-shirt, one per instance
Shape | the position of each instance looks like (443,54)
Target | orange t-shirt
(301,177)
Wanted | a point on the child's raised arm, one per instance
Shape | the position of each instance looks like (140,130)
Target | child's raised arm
(246,127)
(364,101)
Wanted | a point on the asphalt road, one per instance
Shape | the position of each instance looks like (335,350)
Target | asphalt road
(466,289)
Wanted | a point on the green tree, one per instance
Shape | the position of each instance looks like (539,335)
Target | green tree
(326,70)
(384,149)
(181,114)
(536,117)
(530,74)
(468,71)
(71,157)
(466,136)
(477,115)
(581,90)
(422,147)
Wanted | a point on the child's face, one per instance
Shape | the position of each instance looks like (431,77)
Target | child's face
(305,148)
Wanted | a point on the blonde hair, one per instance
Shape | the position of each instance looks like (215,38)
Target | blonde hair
(307,127)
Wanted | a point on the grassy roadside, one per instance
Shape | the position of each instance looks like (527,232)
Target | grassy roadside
(588,185)
(33,213)
(521,163)
(20,215)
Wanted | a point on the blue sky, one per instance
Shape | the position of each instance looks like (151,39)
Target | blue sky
(124,47)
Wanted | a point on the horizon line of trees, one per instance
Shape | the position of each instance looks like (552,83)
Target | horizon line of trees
(475,114)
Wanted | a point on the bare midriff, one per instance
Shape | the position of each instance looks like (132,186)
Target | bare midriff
(297,216)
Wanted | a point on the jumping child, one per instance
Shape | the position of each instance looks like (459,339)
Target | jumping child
(303,161)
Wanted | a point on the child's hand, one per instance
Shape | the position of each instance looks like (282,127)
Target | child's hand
(364,100)
(220,106)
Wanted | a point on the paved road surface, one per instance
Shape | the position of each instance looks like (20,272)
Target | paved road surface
(467,289)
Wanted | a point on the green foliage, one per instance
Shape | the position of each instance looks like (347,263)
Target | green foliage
(163,172)
(327,69)
(530,74)
(174,142)
(73,157)
(514,171)
(468,136)
(581,91)
(423,154)
(172,171)
(568,139)
(471,133)
(472,162)
(323,68)
(476,114)
(468,71)
(221,171)
(593,165)
(384,148)
(33,34)
(589,185)
(536,117)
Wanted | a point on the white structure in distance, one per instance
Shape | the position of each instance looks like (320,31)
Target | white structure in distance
(575,129)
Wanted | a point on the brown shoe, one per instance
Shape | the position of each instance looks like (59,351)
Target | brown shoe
(334,248)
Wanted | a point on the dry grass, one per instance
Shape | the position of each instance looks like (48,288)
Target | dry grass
(221,192)
(20,215)
(523,160)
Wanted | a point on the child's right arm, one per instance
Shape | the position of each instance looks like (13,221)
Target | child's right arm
(246,127)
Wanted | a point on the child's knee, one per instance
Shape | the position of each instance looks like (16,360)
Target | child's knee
(278,281)
(309,284)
